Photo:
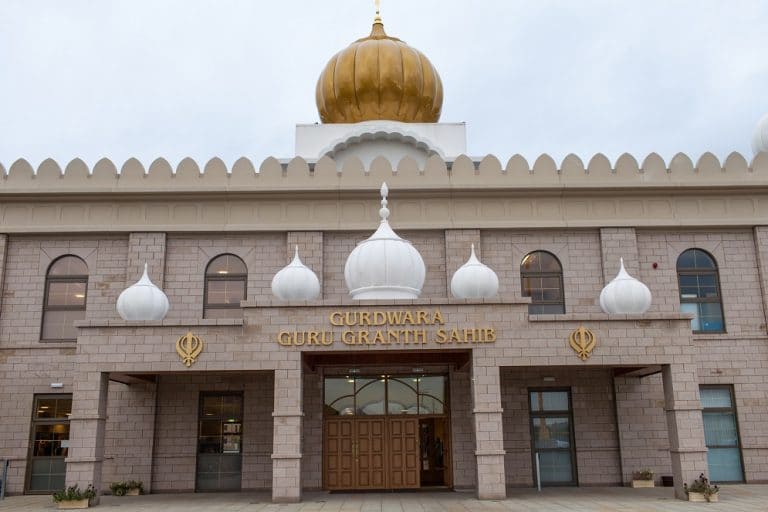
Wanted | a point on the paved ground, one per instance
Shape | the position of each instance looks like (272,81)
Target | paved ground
(734,498)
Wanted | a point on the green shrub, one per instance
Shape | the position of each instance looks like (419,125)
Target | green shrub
(74,493)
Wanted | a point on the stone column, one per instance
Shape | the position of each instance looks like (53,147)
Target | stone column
(489,430)
(3,256)
(286,437)
(618,243)
(685,426)
(86,434)
(146,248)
(761,247)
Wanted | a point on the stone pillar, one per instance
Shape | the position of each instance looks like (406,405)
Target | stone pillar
(618,243)
(146,248)
(761,248)
(286,437)
(457,245)
(310,251)
(86,435)
(3,256)
(489,430)
(685,426)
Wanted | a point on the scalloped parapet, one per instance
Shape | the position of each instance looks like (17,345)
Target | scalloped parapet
(463,172)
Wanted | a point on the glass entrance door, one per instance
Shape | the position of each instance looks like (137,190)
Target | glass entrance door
(552,436)
(219,445)
(50,443)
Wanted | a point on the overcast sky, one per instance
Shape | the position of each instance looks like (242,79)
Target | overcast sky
(231,78)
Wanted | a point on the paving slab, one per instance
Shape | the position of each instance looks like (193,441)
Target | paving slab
(733,498)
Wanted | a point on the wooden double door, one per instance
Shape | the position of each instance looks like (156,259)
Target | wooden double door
(362,453)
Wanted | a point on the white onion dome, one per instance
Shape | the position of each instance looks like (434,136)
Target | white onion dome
(384,266)
(474,280)
(142,301)
(625,295)
(760,137)
(296,281)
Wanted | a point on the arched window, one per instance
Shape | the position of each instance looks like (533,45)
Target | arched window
(66,287)
(700,290)
(541,276)
(225,286)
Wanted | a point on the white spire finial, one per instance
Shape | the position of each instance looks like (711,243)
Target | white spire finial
(384,211)
(296,258)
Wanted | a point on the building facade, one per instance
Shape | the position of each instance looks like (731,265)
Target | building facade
(235,389)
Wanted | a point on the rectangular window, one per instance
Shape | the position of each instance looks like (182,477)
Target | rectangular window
(552,436)
(50,443)
(721,433)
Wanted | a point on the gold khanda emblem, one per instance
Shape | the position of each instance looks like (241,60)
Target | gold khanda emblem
(189,347)
(582,340)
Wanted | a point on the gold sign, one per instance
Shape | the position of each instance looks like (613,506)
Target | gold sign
(387,328)
(582,341)
(189,347)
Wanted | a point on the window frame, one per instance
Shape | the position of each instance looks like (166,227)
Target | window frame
(73,278)
(699,271)
(732,409)
(225,277)
(543,275)
(572,434)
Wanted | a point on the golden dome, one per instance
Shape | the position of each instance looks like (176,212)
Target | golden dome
(379,78)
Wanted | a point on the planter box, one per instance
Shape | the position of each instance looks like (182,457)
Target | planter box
(73,504)
(132,492)
(700,498)
(640,484)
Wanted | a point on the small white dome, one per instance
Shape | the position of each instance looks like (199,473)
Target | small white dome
(296,281)
(760,137)
(625,294)
(142,301)
(474,280)
(384,266)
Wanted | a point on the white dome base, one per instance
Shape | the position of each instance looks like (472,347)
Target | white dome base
(385,293)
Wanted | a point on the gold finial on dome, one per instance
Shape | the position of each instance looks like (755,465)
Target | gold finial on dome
(379,78)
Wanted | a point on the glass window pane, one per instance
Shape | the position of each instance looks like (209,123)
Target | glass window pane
(226,291)
(724,465)
(402,395)
(549,401)
(68,266)
(555,466)
(686,260)
(703,260)
(552,432)
(339,396)
(66,293)
(59,325)
(711,316)
(720,429)
(210,427)
(226,265)
(232,406)
(212,405)
(370,396)
(716,397)
(687,307)
(432,395)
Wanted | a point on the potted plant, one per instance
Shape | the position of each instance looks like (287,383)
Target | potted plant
(702,490)
(130,488)
(643,478)
(74,498)
(135,488)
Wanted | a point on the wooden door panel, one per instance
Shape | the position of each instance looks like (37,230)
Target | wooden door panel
(338,449)
(370,454)
(404,467)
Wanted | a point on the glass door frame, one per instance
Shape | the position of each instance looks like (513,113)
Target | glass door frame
(572,438)
(731,410)
(200,417)
(43,421)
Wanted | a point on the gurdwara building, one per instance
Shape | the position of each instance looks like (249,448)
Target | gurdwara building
(382,311)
